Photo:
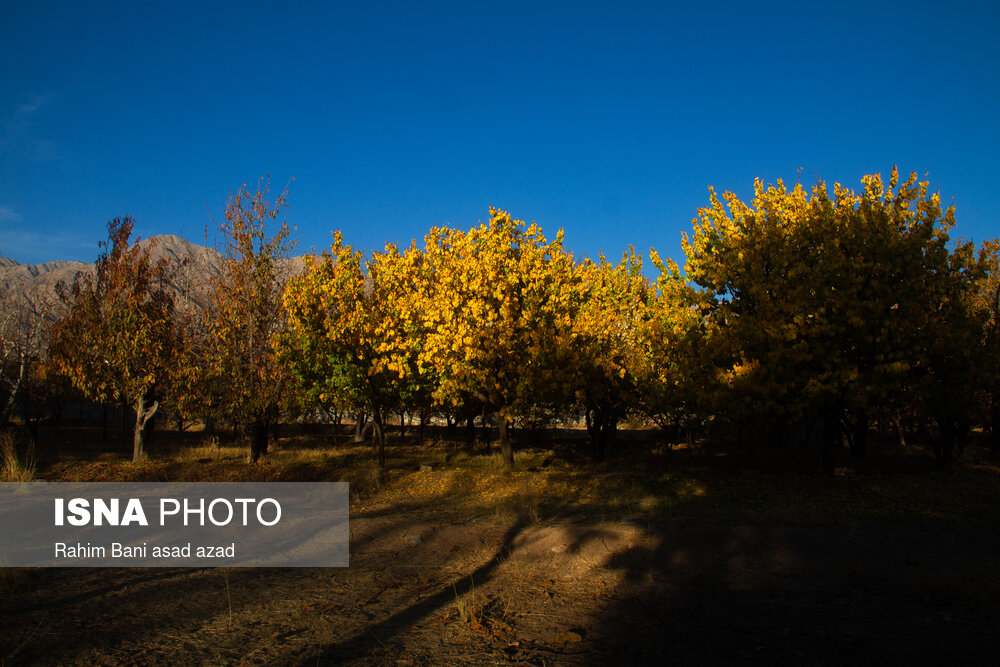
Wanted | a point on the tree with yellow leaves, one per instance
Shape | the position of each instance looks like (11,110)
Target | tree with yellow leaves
(345,344)
(986,304)
(831,305)
(671,354)
(614,307)
(498,318)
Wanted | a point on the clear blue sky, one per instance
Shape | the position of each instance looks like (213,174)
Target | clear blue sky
(606,119)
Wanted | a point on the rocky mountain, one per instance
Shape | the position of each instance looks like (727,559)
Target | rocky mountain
(35,283)
(193,269)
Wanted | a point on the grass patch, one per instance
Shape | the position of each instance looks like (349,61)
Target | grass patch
(15,466)
(445,480)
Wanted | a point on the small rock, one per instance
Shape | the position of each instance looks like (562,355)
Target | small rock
(426,468)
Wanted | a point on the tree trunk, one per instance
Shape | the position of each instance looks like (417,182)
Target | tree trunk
(359,427)
(209,429)
(127,428)
(258,440)
(402,424)
(505,446)
(831,437)
(859,443)
(9,408)
(995,429)
(33,426)
(32,420)
(470,431)
(672,432)
(378,437)
(423,422)
(600,443)
(104,424)
(602,424)
(145,410)
(596,427)
(56,409)
(668,439)
(592,421)
(944,446)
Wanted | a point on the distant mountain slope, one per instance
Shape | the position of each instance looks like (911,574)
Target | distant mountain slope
(193,269)
(36,283)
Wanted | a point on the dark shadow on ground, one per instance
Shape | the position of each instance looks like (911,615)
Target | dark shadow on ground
(825,586)
(871,595)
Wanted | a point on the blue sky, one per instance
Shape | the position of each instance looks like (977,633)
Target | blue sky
(609,120)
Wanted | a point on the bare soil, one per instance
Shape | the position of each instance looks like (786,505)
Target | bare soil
(745,573)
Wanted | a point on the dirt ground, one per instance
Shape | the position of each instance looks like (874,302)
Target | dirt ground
(527,590)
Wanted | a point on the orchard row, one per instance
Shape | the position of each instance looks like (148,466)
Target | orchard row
(800,307)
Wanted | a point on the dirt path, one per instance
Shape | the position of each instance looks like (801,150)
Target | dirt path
(438,593)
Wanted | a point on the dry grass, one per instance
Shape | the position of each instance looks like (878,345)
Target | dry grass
(455,560)
(210,451)
(558,484)
(15,467)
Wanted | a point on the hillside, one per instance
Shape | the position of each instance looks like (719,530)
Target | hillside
(194,268)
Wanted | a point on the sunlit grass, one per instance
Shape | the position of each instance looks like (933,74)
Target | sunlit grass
(15,466)
(210,453)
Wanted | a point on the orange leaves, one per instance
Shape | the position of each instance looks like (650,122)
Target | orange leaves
(248,313)
(118,336)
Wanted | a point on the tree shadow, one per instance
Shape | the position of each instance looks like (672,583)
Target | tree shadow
(802,595)
(374,636)
(180,615)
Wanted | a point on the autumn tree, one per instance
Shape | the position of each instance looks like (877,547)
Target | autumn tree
(341,339)
(498,318)
(117,339)
(672,352)
(986,303)
(830,305)
(22,328)
(247,312)
(614,302)
(402,283)
(197,379)
(949,371)
(29,383)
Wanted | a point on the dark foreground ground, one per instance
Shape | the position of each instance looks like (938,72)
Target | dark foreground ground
(698,557)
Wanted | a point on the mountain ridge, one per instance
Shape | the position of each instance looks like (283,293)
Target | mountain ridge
(194,269)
